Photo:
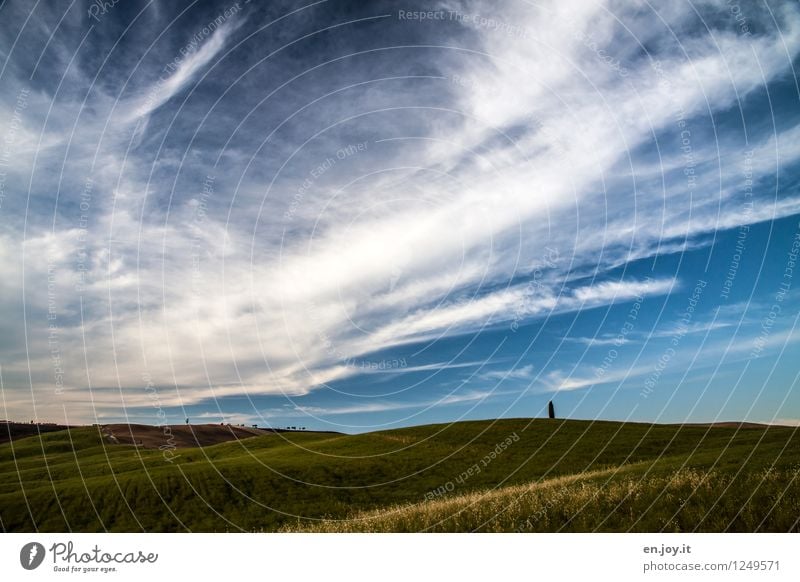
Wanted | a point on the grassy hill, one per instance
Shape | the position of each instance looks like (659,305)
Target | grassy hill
(508,475)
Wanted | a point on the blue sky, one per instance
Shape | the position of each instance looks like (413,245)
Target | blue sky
(352,216)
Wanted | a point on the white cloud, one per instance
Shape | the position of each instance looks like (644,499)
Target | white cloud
(518,373)
(212,308)
(317,411)
(594,342)
(189,66)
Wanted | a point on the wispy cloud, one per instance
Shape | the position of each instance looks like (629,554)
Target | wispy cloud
(176,78)
(594,342)
(361,408)
(692,328)
(335,200)
(518,373)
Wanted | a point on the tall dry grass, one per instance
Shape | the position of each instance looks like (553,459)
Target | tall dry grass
(608,500)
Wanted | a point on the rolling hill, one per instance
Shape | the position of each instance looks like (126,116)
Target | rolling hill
(502,475)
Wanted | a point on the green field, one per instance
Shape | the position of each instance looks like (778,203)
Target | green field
(508,475)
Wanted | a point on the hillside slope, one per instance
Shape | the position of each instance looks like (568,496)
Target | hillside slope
(75,480)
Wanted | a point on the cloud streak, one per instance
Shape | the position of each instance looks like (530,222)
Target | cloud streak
(346,198)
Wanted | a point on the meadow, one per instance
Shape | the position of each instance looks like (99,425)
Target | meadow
(504,475)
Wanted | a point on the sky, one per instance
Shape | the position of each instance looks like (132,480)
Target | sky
(362,215)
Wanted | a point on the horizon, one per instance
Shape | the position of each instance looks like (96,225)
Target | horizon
(709,424)
(357,218)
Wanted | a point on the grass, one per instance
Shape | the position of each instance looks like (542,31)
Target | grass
(600,501)
(548,476)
